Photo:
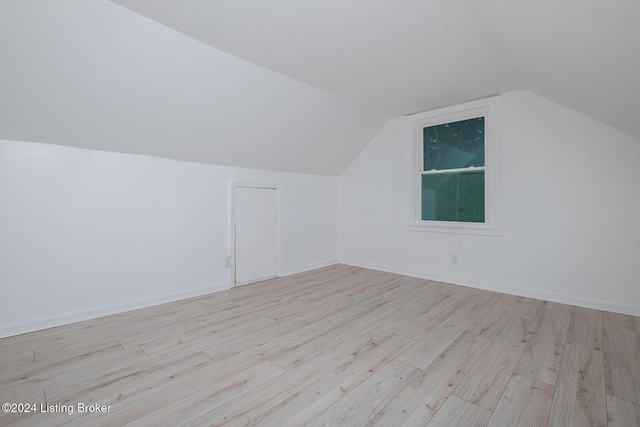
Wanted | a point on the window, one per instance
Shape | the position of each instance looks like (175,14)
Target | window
(454,168)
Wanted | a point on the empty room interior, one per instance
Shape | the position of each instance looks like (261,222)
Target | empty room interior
(270,213)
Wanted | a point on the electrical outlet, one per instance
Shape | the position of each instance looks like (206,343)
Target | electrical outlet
(454,259)
(228,262)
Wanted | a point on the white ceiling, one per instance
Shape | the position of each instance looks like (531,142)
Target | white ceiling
(303,85)
(399,57)
(395,57)
(584,54)
(91,74)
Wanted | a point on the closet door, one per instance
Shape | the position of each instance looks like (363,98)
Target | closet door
(256,234)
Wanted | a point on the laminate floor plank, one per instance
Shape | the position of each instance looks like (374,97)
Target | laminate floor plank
(397,320)
(307,404)
(313,330)
(443,300)
(580,397)
(301,352)
(327,300)
(553,357)
(414,291)
(217,393)
(355,291)
(20,361)
(530,309)
(62,347)
(35,398)
(333,301)
(306,351)
(45,374)
(305,284)
(22,341)
(454,300)
(248,406)
(117,384)
(134,376)
(457,412)
(340,344)
(591,400)
(538,405)
(181,324)
(619,364)
(632,340)
(156,392)
(487,299)
(237,345)
(512,403)
(74,348)
(585,328)
(566,308)
(152,314)
(356,407)
(490,323)
(621,413)
(428,348)
(174,324)
(202,337)
(485,382)
(543,354)
(424,396)
(564,400)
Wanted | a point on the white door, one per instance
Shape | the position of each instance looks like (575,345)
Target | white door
(256,234)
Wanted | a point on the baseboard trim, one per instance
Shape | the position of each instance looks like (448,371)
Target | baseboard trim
(92,313)
(107,310)
(543,295)
(308,267)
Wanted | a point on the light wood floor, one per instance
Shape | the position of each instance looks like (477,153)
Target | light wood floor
(338,345)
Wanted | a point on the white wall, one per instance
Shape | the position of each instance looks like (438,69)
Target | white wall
(570,212)
(92,74)
(86,233)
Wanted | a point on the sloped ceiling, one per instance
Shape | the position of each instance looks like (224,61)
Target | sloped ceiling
(395,57)
(400,57)
(91,74)
(584,54)
(296,85)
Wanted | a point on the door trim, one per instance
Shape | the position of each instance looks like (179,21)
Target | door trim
(232,249)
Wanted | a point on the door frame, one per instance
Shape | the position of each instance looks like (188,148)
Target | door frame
(269,186)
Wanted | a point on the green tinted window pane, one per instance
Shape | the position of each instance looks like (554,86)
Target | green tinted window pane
(453,197)
(454,145)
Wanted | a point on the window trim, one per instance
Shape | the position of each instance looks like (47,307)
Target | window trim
(414,125)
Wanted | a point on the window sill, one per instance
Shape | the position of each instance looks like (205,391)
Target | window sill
(456,228)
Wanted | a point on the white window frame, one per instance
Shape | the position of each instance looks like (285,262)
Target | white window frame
(489,108)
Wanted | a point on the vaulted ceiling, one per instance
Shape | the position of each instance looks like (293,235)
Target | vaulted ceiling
(297,85)
(400,57)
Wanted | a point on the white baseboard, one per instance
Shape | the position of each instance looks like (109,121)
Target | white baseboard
(537,294)
(308,267)
(92,313)
(107,310)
